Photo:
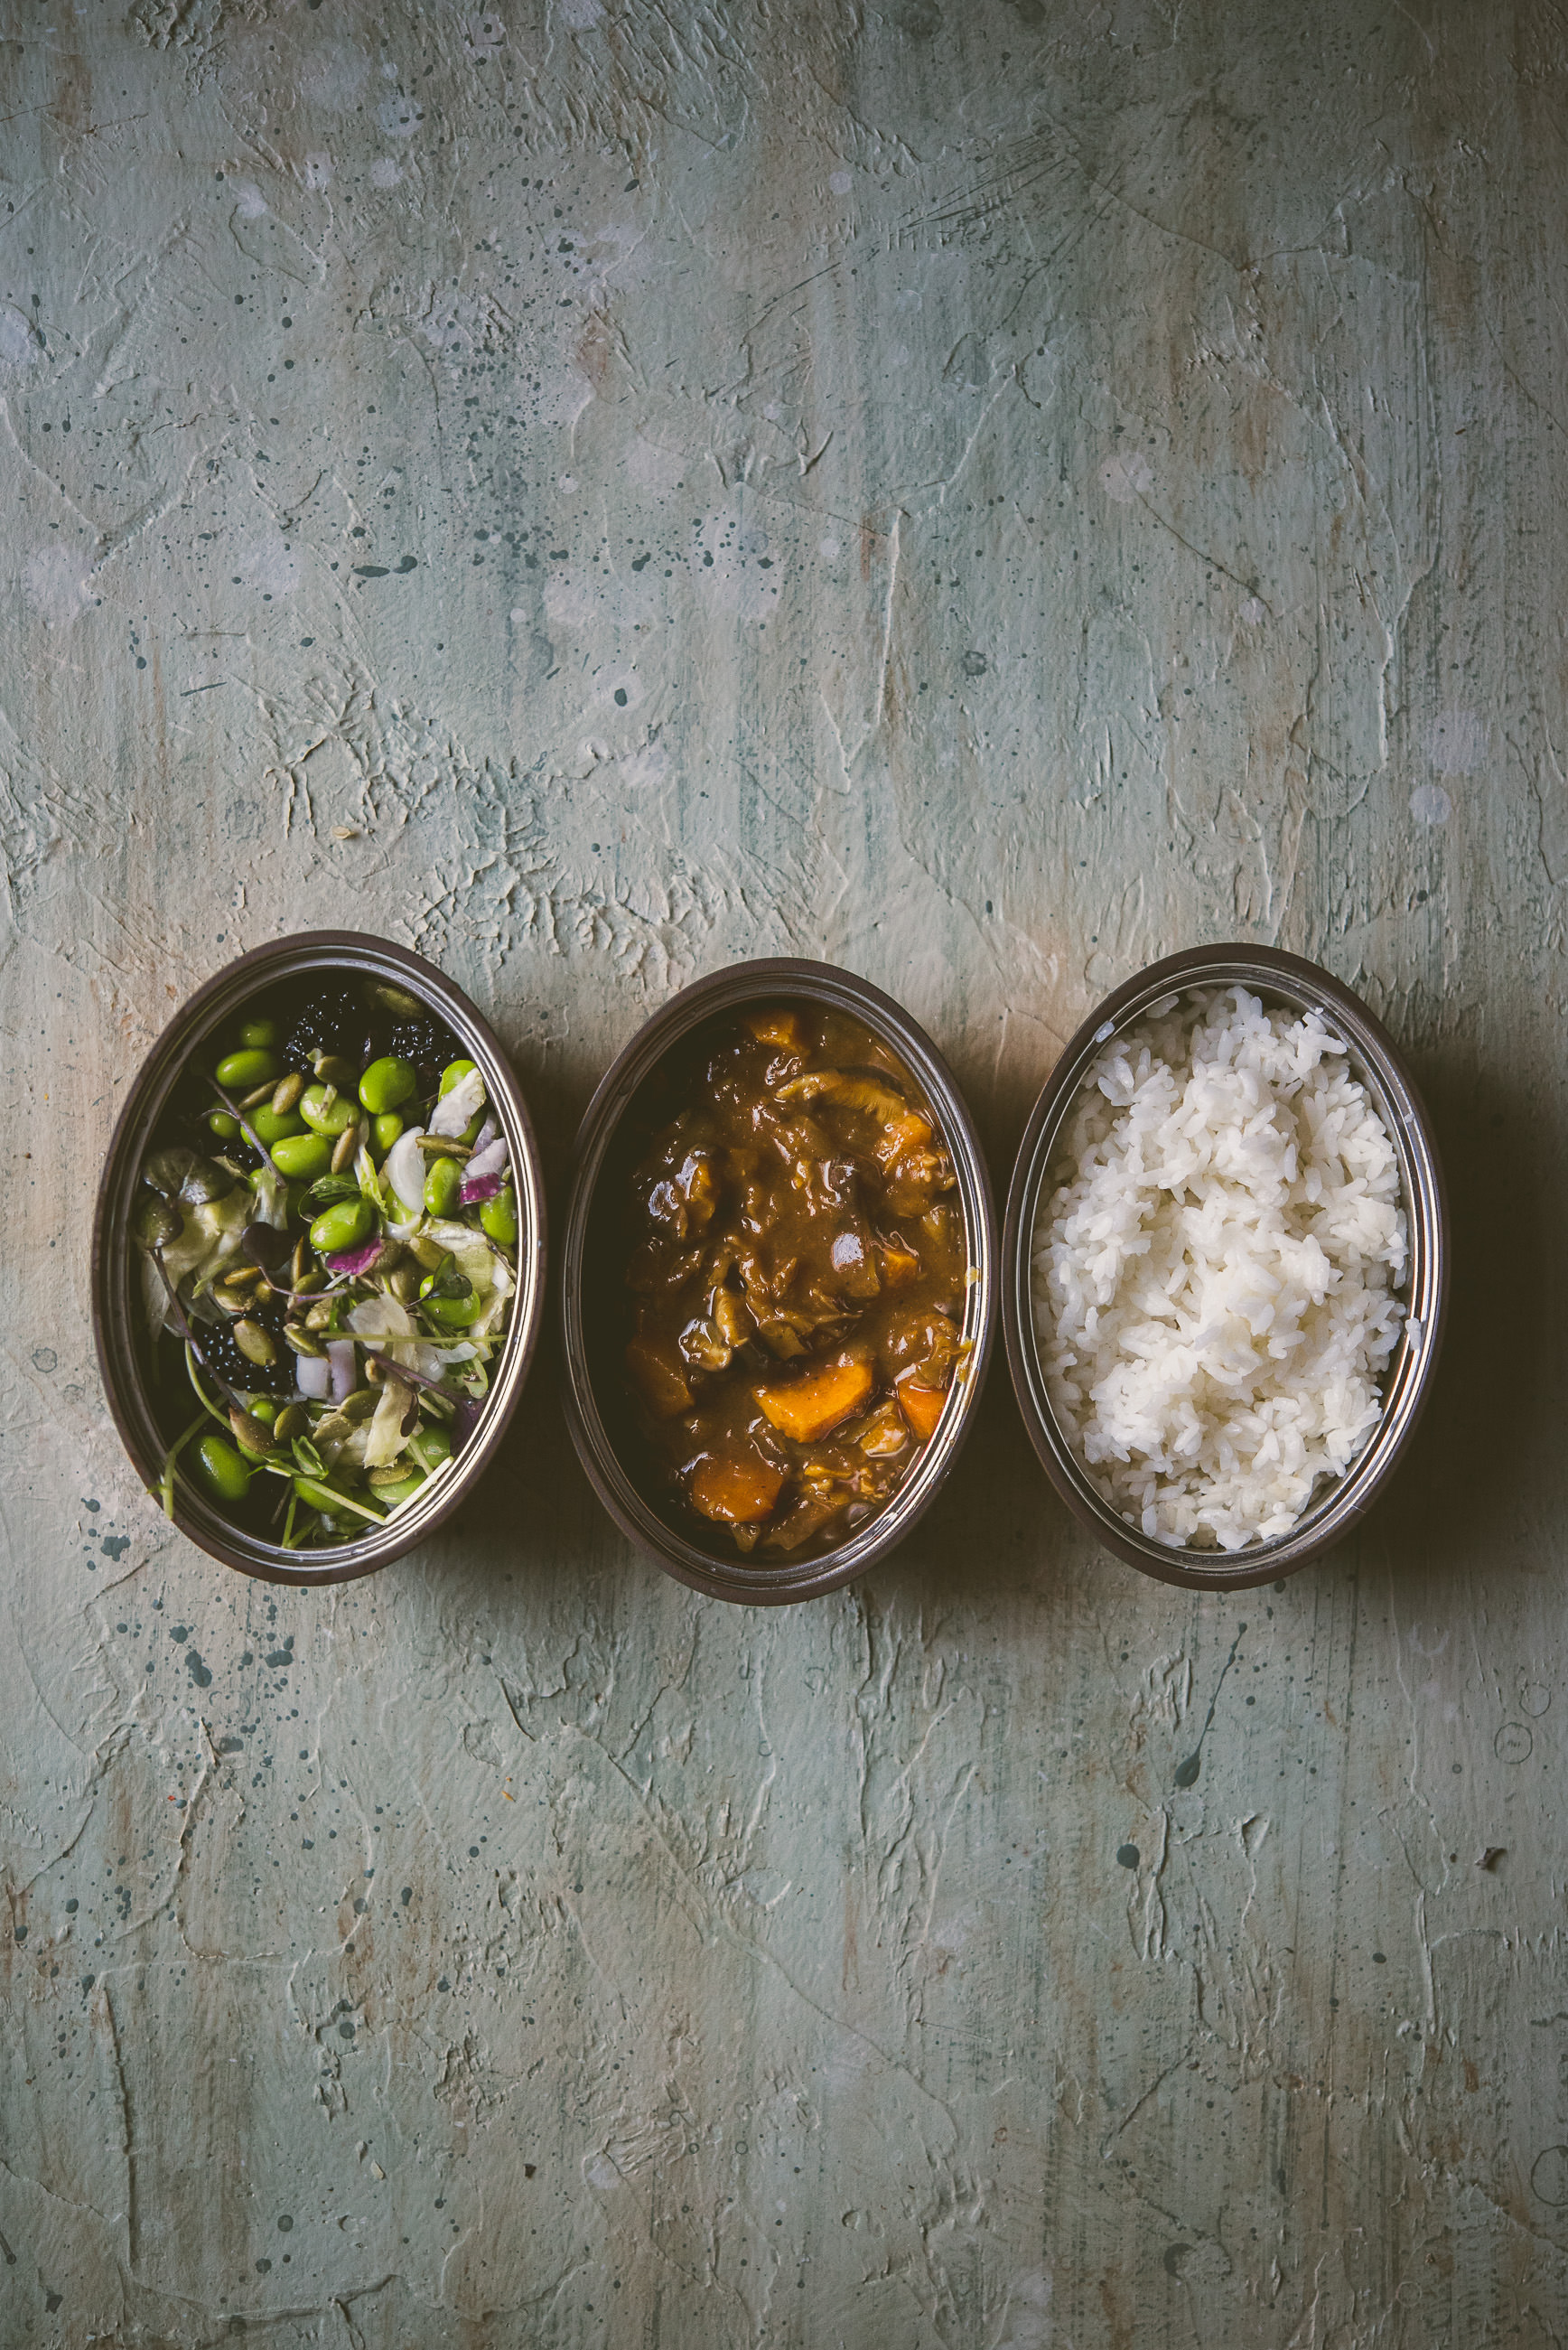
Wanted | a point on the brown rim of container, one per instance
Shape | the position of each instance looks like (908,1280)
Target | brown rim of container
(781,980)
(1376,1060)
(116,1310)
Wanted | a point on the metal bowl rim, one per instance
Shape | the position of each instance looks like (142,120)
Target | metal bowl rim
(737,984)
(1407,1382)
(270,964)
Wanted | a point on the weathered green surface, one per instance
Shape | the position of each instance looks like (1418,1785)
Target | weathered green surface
(989,493)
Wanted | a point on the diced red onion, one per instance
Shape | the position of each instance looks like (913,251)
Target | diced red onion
(354,1260)
(485,1172)
(486,1135)
(313,1376)
(344,1370)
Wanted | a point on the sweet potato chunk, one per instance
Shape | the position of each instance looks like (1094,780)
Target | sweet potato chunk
(900,1264)
(922,1407)
(656,1370)
(808,1408)
(903,1132)
(737,1492)
(781,1028)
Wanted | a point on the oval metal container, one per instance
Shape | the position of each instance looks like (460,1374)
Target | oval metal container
(778,979)
(1375,1058)
(115,1310)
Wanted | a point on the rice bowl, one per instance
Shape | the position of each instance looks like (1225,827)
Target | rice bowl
(1045,1163)
(1214,1274)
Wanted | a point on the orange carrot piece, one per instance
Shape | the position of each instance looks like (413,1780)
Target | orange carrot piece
(736,1491)
(808,1409)
(922,1407)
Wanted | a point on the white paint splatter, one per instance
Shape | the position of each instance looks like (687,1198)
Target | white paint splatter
(841,182)
(55,582)
(1429,804)
(577,16)
(249,200)
(384,172)
(600,2172)
(1456,741)
(1126,478)
(1254,613)
(318,170)
(1026,2321)
(334,76)
(830,549)
(18,346)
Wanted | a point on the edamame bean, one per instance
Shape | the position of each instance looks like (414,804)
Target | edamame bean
(238,1071)
(443,1188)
(342,1226)
(301,1157)
(273,1126)
(258,1035)
(224,1126)
(399,1491)
(434,1441)
(457,1313)
(326,1111)
(386,1082)
(498,1217)
(453,1074)
(220,1469)
(386,1129)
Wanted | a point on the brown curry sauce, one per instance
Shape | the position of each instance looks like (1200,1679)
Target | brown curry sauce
(796,1263)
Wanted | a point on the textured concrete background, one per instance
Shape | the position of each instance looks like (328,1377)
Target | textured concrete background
(988,490)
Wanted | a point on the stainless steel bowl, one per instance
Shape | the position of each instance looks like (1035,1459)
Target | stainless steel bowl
(118,1320)
(1288,980)
(776,981)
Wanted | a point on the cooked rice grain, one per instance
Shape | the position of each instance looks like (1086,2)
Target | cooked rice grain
(1213,1275)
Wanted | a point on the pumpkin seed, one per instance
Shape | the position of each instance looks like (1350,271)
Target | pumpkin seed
(292,1421)
(303,1341)
(287,1092)
(254,1344)
(346,1149)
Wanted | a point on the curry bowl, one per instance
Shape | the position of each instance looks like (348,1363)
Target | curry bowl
(310,966)
(717,1417)
(1334,1506)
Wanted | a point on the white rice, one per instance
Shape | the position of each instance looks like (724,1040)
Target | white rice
(1213,1275)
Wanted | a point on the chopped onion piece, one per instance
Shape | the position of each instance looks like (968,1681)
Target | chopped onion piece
(405,1168)
(313,1376)
(454,1111)
(344,1368)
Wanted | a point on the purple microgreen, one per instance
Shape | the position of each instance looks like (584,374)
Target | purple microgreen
(265,1246)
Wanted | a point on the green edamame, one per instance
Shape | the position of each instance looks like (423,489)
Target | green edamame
(498,1217)
(342,1226)
(385,1131)
(220,1469)
(237,1072)
(302,1157)
(258,1035)
(457,1313)
(224,1126)
(443,1188)
(386,1082)
(453,1073)
(326,1111)
(271,1126)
